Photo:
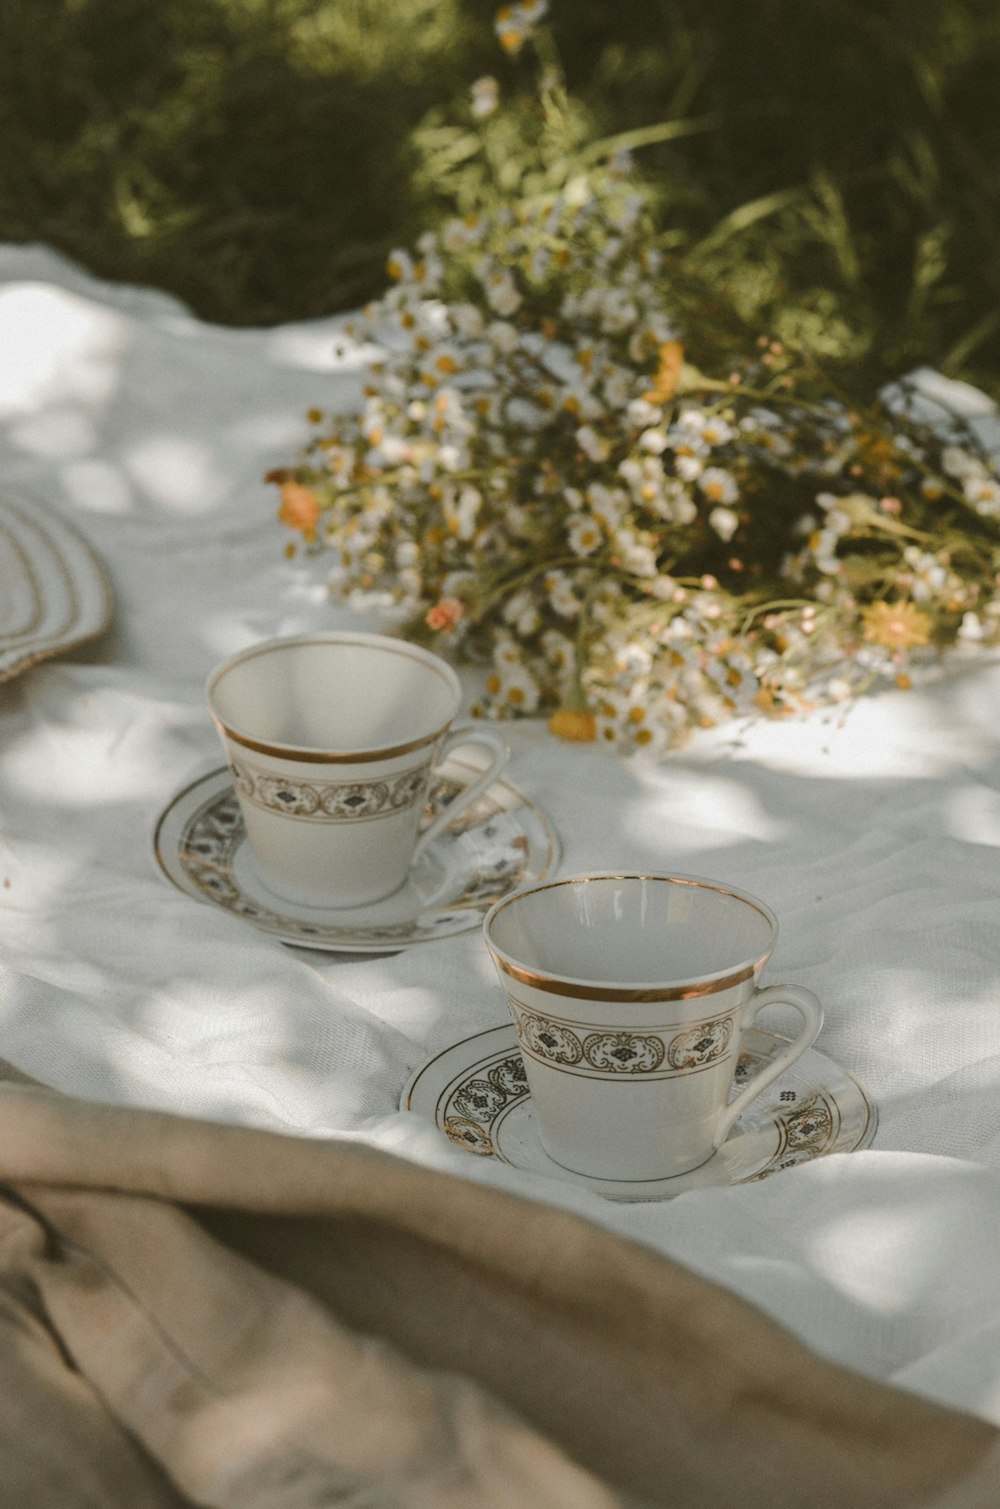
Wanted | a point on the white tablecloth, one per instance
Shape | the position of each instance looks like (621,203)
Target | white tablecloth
(875,836)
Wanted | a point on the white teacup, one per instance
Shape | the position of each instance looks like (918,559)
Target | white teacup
(332,739)
(629,994)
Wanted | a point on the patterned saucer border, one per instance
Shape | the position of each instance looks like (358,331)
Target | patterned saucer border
(54,593)
(476,1093)
(502,841)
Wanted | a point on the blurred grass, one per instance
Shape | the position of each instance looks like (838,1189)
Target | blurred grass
(259,157)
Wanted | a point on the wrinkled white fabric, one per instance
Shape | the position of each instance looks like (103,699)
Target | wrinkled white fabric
(874,834)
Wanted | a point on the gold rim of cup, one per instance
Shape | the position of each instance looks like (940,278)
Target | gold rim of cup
(585,990)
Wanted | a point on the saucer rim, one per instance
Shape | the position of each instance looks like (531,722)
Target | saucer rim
(92,604)
(626,1191)
(220,773)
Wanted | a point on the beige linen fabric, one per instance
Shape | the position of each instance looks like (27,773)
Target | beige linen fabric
(208,1315)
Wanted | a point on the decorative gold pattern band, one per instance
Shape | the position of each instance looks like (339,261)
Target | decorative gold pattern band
(332,801)
(661,1052)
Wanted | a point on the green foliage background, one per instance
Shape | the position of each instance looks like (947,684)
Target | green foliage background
(836,177)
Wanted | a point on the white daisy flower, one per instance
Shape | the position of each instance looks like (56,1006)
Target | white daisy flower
(468,321)
(515,689)
(593,446)
(636,557)
(503,337)
(584,534)
(725,522)
(718,485)
(641,414)
(984,495)
(689,468)
(562,597)
(958,462)
(607,504)
(499,287)
(485,93)
(716,431)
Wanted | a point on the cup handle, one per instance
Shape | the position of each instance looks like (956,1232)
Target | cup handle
(459,736)
(808,1007)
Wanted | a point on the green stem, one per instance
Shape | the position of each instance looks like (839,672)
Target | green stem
(510,584)
(578,697)
(773,607)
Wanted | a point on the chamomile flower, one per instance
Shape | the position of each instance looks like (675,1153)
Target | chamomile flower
(928,576)
(718,485)
(560,594)
(521,612)
(643,415)
(399,265)
(984,495)
(468,321)
(960,463)
(716,431)
(560,653)
(607,505)
(732,678)
(584,534)
(461,510)
(485,97)
(593,445)
(637,556)
(513,689)
(499,288)
(688,466)
(503,337)
(725,522)
(514,24)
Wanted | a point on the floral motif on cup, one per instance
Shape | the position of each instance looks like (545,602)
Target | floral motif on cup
(623,1052)
(331,801)
(663,1050)
(549,1040)
(294,798)
(702,1044)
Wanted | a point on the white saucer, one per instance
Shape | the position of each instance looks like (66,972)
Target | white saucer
(477,1094)
(54,593)
(502,841)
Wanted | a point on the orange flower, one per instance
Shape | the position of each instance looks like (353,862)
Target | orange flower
(511,37)
(444,615)
(574,723)
(897,626)
(299,509)
(667,373)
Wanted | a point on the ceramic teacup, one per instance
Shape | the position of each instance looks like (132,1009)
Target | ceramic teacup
(629,994)
(332,739)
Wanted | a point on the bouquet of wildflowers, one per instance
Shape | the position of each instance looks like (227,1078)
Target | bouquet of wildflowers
(544,483)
